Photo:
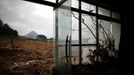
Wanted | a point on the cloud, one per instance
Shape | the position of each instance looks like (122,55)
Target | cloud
(26,16)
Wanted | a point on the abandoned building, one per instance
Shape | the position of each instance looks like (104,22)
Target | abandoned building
(90,38)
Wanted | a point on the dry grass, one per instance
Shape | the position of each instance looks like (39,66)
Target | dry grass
(28,58)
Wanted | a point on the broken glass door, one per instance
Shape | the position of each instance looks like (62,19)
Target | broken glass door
(63,37)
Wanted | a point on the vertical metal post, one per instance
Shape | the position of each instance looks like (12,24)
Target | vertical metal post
(12,42)
(80,36)
(56,35)
(97,34)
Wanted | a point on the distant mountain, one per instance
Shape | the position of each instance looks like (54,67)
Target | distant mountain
(32,35)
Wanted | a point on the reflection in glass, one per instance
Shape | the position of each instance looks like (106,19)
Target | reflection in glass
(109,36)
(115,15)
(75,55)
(87,50)
(61,55)
(63,29)
(88,29)
(75,3)
(104,12)
(116,32)
(88,7)
(104,31)
(75,28)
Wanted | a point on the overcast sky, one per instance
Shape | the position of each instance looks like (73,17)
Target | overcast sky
(26,16)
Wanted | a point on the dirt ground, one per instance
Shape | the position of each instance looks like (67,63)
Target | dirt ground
(28,58)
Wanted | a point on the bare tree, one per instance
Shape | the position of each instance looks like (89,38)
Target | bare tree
(107,44)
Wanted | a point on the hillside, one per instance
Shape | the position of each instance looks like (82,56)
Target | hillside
(7,31)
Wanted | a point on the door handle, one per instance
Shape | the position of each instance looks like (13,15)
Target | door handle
(66,48)
(69,41)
